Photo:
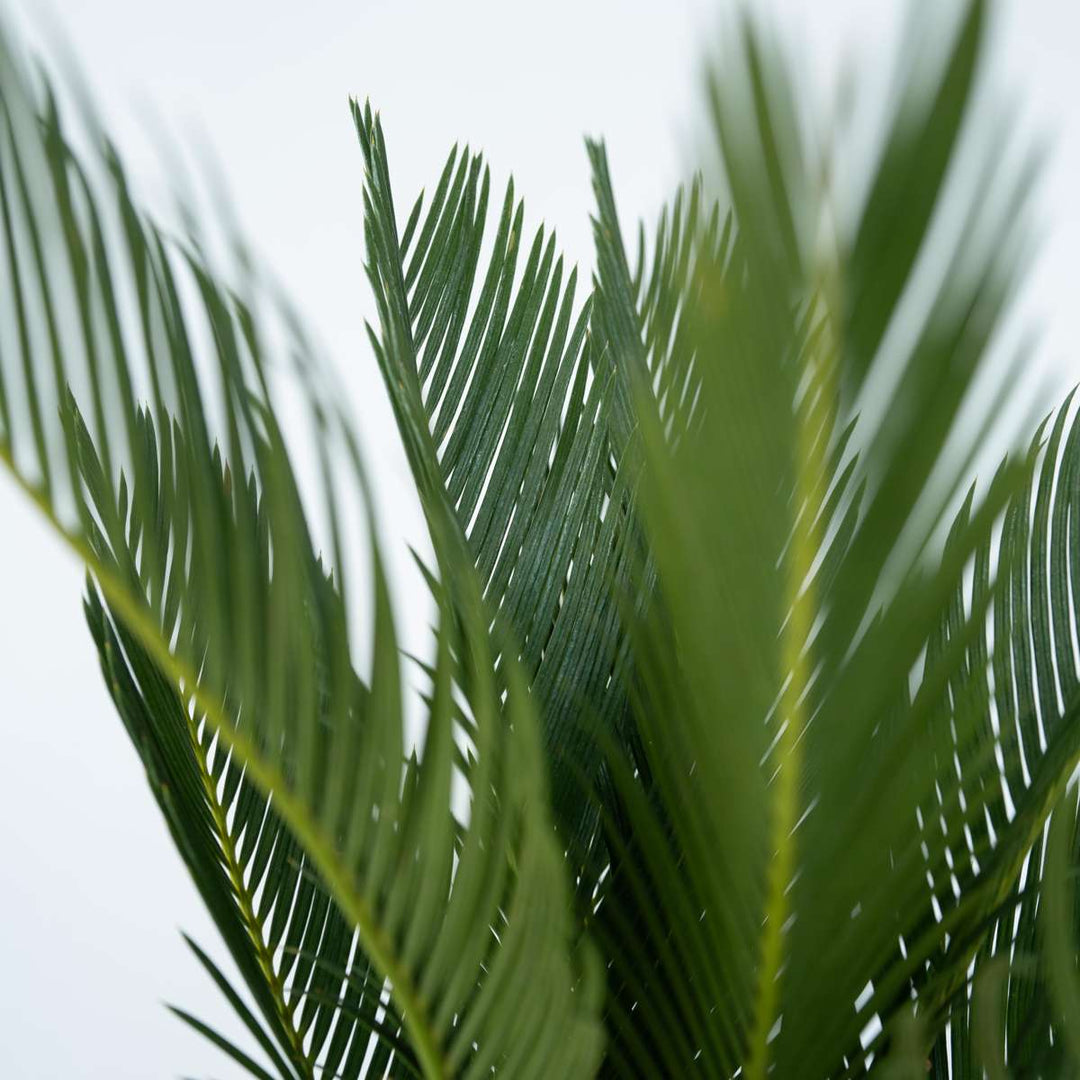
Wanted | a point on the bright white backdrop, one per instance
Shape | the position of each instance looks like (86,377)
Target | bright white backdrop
(91,893)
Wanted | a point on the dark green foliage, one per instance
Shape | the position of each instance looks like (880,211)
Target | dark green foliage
(744,751)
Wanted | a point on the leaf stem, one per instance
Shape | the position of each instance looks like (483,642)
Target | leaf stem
(795,671)
(244,902)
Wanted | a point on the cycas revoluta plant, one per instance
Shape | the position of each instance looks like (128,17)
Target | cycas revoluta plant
(741,754)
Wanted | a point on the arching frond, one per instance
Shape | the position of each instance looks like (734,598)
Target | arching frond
(220,625)
(491,371)
(789,891)
(763,743)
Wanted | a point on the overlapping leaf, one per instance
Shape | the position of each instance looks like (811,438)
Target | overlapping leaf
(1030,698)
(221,628)
(814,761)
(317,992)
(505,408)
(820,751)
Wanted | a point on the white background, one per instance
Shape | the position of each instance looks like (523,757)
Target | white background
(91,892)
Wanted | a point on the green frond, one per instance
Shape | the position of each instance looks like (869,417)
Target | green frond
(815,749)
(765,745)
(228,649)
(1026,691)
(295,950)
(493,373)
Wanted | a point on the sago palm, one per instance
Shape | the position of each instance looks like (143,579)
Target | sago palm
(746,733)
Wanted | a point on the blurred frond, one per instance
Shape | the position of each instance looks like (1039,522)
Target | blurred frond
(226,642)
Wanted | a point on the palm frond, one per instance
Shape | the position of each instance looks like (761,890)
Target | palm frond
(1030,696)
(295,950)
(504,406)
(740,702)
(224,596)
(803,739)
